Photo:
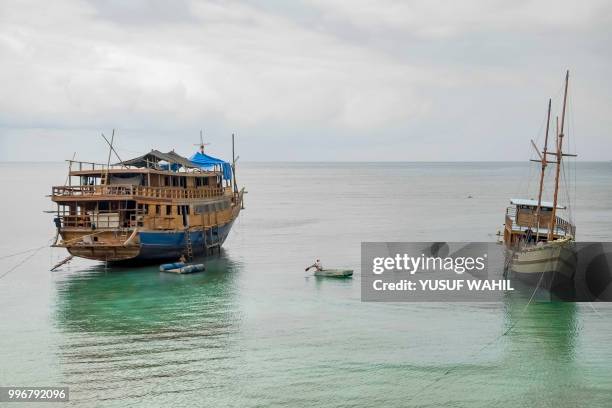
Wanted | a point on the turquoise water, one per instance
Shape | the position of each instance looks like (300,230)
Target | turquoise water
(254,330)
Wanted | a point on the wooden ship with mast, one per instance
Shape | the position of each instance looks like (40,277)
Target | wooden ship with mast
(156,207)
(539,241)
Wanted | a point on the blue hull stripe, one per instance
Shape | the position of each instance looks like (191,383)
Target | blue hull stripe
(159,245)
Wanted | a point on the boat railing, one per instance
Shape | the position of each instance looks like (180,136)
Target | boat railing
(126,190)
(123,219)
(565,226)
(77,165)
(562,227)
(511,214)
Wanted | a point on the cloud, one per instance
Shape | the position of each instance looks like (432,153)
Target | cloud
(234,61)
(440,18)
(328,72)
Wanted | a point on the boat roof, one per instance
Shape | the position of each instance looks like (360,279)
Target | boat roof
(155,156)
(132,170)
(534,203)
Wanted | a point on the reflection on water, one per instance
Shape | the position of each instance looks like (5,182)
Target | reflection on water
(540,350)
(129,331)
(547,328)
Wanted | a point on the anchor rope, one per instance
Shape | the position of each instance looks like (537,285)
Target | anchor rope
(22,252)
(32,252)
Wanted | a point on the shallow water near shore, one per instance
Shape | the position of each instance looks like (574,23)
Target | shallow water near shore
(256,330)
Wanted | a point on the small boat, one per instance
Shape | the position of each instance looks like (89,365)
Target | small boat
(334,273)
(182,268)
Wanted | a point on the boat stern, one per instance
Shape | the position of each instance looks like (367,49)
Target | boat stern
(103,245)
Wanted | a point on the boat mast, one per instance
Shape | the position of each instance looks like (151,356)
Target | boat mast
(110,151)
(202,144)
(234,185)
(559,156)
(544,163)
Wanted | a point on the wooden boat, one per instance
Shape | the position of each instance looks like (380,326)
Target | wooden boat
(334,273)
(159,206)
(539,242)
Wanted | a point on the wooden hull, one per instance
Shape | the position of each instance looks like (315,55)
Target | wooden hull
(549,265)
(105,253)
(334,273)
(154,246)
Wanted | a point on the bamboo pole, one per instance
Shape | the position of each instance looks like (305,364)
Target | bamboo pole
(544,163)
(559,156)
(235,184)
(110,150)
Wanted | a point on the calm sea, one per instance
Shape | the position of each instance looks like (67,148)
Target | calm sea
(253,330)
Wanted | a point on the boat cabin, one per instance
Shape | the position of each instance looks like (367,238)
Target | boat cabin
(524,226)
(157,191)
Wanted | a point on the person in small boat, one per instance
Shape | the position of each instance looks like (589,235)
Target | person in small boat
(317,265)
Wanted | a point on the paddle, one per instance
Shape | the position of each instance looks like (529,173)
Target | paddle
(307,269)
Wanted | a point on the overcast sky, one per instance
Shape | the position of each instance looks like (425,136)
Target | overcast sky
(302,80)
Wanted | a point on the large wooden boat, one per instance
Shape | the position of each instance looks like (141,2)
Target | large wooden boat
(539,241)
(159,206)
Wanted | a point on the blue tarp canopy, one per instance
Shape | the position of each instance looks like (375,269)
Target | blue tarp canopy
(207,162)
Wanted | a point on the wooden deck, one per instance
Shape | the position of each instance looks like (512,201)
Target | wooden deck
(127,191)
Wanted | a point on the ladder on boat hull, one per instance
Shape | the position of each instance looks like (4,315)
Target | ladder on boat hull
(209,241)
(188,245)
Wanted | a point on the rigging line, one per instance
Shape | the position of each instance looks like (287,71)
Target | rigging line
(23,261)
(505,333)
(571,127)
(567,165)
(591,304)
(22,252)
(595,310)
(533,170)
(541,129)
(33,252)
(570,213)
(129,151)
